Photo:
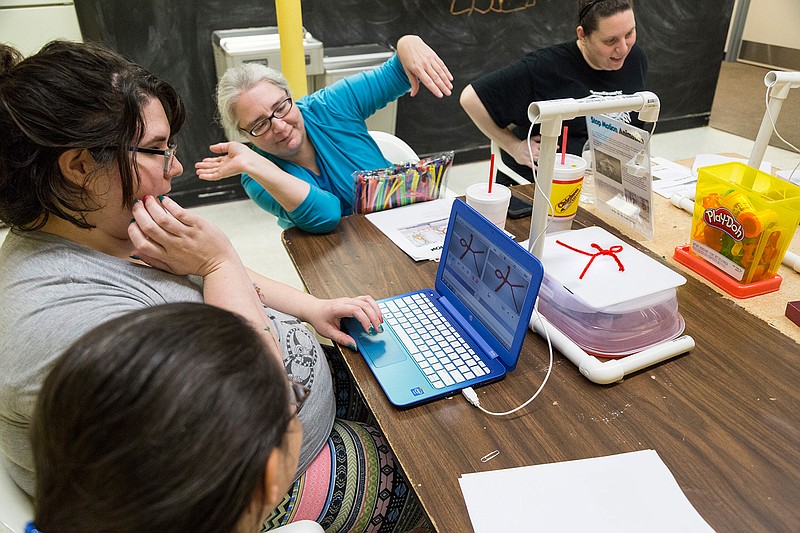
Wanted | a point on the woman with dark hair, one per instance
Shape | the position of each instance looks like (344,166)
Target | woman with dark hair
(603,60)
(142,427)
(87,157)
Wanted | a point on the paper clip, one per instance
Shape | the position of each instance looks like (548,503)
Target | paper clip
(489,456)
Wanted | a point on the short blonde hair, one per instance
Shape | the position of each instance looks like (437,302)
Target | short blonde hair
(237,80)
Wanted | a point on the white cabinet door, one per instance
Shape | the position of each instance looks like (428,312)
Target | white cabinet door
(28,28)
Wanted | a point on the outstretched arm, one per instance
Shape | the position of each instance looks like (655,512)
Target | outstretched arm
(421,63)
(236,158)
(518,149)
(324,315)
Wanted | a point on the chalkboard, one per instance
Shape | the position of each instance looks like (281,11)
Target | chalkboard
(684,41)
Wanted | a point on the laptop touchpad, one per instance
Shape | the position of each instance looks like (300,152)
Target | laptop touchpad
(382,349)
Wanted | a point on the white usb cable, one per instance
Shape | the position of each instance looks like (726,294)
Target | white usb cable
(472,397)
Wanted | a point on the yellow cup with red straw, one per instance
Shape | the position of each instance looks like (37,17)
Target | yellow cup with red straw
(568,175)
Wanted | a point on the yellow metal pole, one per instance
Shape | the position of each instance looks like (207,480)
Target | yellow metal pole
(293,57)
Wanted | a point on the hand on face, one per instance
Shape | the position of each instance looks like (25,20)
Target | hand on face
(422,64)
(168,237)
(326,317)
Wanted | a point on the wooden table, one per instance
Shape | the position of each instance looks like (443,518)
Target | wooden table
(725,418)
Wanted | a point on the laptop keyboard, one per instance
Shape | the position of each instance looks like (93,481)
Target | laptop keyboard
(437,348)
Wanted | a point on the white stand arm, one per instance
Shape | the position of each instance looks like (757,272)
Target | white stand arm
(780,83)
(550,114)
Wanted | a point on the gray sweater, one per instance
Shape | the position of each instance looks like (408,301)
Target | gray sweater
(53,290)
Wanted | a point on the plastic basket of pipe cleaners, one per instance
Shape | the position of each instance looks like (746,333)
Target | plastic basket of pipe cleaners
(401,184)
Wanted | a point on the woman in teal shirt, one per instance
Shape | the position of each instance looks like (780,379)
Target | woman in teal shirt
(304,153)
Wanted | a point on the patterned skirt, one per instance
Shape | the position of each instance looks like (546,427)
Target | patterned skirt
(354,484)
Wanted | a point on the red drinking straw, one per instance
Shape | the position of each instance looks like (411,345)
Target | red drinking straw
(564,145)
(491,173)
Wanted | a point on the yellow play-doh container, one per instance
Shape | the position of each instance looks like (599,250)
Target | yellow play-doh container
(743,222)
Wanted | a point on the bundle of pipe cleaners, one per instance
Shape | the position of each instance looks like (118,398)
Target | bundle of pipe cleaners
(401,184)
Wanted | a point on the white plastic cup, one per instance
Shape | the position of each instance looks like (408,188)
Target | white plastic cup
(566,192)
(494,205)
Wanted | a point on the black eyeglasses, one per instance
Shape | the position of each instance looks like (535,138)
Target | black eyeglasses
(585,10)
(298,393)
(169,154)
(263,126)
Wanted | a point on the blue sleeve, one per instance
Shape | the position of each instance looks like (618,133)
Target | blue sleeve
(366,92)
(318,213)
(335,114)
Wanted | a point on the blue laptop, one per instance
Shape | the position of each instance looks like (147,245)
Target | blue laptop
(466,332)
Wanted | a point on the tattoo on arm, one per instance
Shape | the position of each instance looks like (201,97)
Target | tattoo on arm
(260,294)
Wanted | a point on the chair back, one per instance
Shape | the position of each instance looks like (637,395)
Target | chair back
(505,169)
(394,148)
(303,526)
(16,507)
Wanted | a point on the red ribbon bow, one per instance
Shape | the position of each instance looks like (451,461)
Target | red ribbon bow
(613,251)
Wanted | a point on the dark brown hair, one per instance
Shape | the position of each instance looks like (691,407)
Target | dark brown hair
(160,420)
(591,11)
(70,95)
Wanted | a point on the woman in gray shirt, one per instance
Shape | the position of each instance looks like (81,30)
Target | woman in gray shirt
(87,157)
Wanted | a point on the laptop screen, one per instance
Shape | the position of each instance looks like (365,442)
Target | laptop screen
(487,281)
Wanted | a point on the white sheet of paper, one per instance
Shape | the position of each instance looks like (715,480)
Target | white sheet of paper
(666,170)
(670,178)
(677,179)
(629,492)
(417,229)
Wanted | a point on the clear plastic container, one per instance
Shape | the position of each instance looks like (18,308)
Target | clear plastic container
(617,330)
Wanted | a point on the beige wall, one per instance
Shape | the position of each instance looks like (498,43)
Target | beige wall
(28,28)
(775,22)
